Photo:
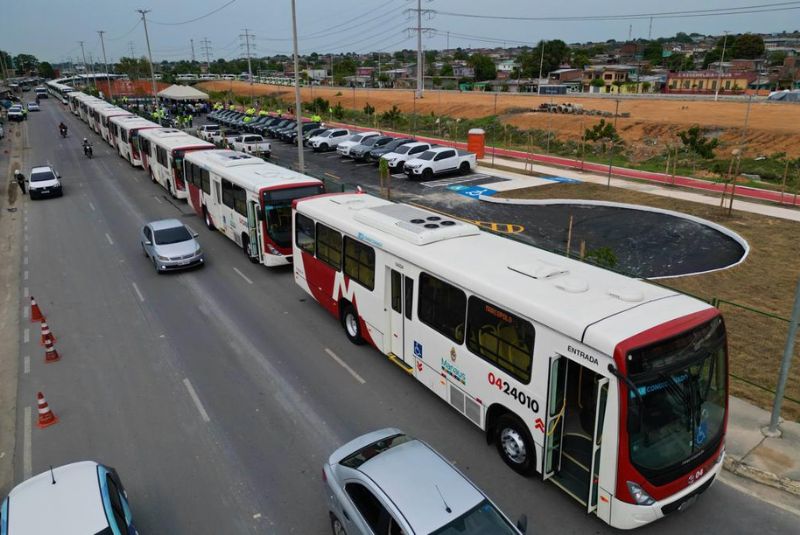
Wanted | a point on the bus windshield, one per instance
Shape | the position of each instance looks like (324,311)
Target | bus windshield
(278,211)
(680,410)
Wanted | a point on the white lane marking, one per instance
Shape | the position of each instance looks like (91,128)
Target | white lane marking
(26,336)
(242,275)
(26,292)
(26,364)
(159,201)
(25,248)
(25,275)
(25,228)
(110,241)
(136,178)
(25,261)
(25,311)
(91,206)
(196,399)
(139,293)
(25,219)
(27,463)
(344,365)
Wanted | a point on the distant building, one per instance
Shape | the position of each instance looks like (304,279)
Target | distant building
(612,76)
(708,81)
(463,71)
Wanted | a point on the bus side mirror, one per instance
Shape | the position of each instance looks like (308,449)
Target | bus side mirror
(522,523)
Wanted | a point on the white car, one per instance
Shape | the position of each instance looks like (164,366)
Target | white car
(33,106)
(440,160)
(83,497)
(343,148)
(205,131)
(403,153)
(329,139)
(252,144)
(15,113)
(44,182)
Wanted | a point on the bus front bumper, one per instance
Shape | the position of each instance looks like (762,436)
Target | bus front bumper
(626,515)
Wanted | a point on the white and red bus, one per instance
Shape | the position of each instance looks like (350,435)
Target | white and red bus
(614,389)
(248,200)
(105,114)
(78,104)
(93,109)
(163,151)
(125,130)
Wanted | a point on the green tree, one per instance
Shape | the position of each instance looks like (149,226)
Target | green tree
(777,58)
(580,58)
(682,37)
(602,256)
(597,82)
(46,70)
(447,70)
(603,132)
(747,46)
(556,52)
(460,55)
(338,111)
(484,67)
(133,67)
(369,110)
(653,52)
(392,115)
(25,63)
(694,141)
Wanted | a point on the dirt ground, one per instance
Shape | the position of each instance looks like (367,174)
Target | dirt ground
(772,127)
(765,281)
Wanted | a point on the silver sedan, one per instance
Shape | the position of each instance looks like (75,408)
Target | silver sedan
(170,245)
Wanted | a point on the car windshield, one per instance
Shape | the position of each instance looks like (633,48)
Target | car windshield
(402,150)
(356,137)
(427,155)
(41,176)
(681,402)
(172,235)
(370,141)
(483,519)
(326,133)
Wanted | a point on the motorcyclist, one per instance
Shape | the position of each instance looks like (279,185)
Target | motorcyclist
(87,147)
(62,128)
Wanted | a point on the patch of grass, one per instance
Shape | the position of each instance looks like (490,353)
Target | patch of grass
(765,281)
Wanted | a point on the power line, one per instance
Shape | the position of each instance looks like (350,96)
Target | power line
(196,18)
(126,34)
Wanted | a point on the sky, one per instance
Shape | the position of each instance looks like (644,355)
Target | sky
(51,29)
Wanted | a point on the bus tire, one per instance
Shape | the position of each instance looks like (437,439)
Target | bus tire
(207,217)
(246,249)
(352,327)
(514,444)
(152,176)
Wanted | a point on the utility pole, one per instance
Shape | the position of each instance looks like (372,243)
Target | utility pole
(247,35)
(650,30)
(419,29)
(207,49)
(298,112)
(144,13)
(772,430)
(83,53)
(721,61)
(191,43)
(541,66)
(91,70)
(105,61)
(448,41)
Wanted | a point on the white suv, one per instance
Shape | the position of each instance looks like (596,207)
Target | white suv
(344,147)
(328,139)
(403,153)
(44,181)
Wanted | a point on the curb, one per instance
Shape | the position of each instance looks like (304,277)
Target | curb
(763,477)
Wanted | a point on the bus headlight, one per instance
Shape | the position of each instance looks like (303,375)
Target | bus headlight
(639,495)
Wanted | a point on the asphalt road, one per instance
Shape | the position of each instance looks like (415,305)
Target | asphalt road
(646,243)
(212,391)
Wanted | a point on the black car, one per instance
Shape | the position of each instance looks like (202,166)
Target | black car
(375,154)
(277,126)
(291,137)
(254,124)
(360,152)
(261,128)
(281,132)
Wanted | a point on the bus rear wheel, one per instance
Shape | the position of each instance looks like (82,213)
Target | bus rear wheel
(207,217)
(514,444)
(352,327)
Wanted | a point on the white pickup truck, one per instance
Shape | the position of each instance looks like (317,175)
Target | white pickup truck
(252,144)
(207,130)
(438,161)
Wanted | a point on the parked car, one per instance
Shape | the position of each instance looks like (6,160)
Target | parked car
(359,152)
(312,133)
(255,123)
(390,483)
(403,153)
(278,133)
(15,113)
(343,148)
(33,106)
(205,130)
(229,137)
(328,139)
(262,127)
(82,497)
(291,137)
(375,154)
(2,132)
(252,144)
(44,181)
(170,245)
(277,126)
(440,160)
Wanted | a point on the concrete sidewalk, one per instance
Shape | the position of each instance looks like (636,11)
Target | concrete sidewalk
(770,461)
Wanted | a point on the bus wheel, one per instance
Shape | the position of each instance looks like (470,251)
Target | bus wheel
(352,328)
(152,176)
(207,217)
(514,444)
(246,249)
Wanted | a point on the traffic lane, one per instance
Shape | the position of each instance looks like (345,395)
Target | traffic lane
(410,406)
(119,399)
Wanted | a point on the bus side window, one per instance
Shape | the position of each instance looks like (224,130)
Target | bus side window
(304,237)
(206,181)
(442,307)
(329,246)
(359,262)
(501,338)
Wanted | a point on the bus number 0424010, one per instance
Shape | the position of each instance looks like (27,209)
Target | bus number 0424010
(524,399)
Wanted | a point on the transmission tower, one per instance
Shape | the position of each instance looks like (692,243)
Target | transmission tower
(205,46)
(419,29)
(247,46)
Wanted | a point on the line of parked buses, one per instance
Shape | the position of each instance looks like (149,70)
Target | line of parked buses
(612,388)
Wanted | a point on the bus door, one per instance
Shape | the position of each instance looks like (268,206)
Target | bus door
(252,230)
(556,405)
(401,297)
(599,419)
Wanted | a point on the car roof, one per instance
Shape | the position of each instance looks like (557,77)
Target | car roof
(71,506)
(165,223)
(419,482)
(440,149)
(42,169)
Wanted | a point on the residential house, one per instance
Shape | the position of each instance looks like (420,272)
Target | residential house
(505,68)
(612,76)
(708,81)
(463,71)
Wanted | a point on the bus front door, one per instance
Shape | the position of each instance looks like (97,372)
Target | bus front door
(599,418)
(252,230)
(556,406)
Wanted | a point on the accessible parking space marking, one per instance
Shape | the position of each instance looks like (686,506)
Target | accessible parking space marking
(196,399)
(454,180)
(242,275)
(27,462)
(138,292)
(344,365)
(110,241)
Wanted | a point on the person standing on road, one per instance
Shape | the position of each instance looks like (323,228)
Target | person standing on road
(20,178)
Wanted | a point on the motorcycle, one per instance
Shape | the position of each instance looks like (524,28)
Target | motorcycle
(87,150)
(63,132)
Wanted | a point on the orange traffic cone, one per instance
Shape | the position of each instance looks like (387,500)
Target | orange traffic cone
(50,353)
(36,314)
(46,334)
(46,416)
